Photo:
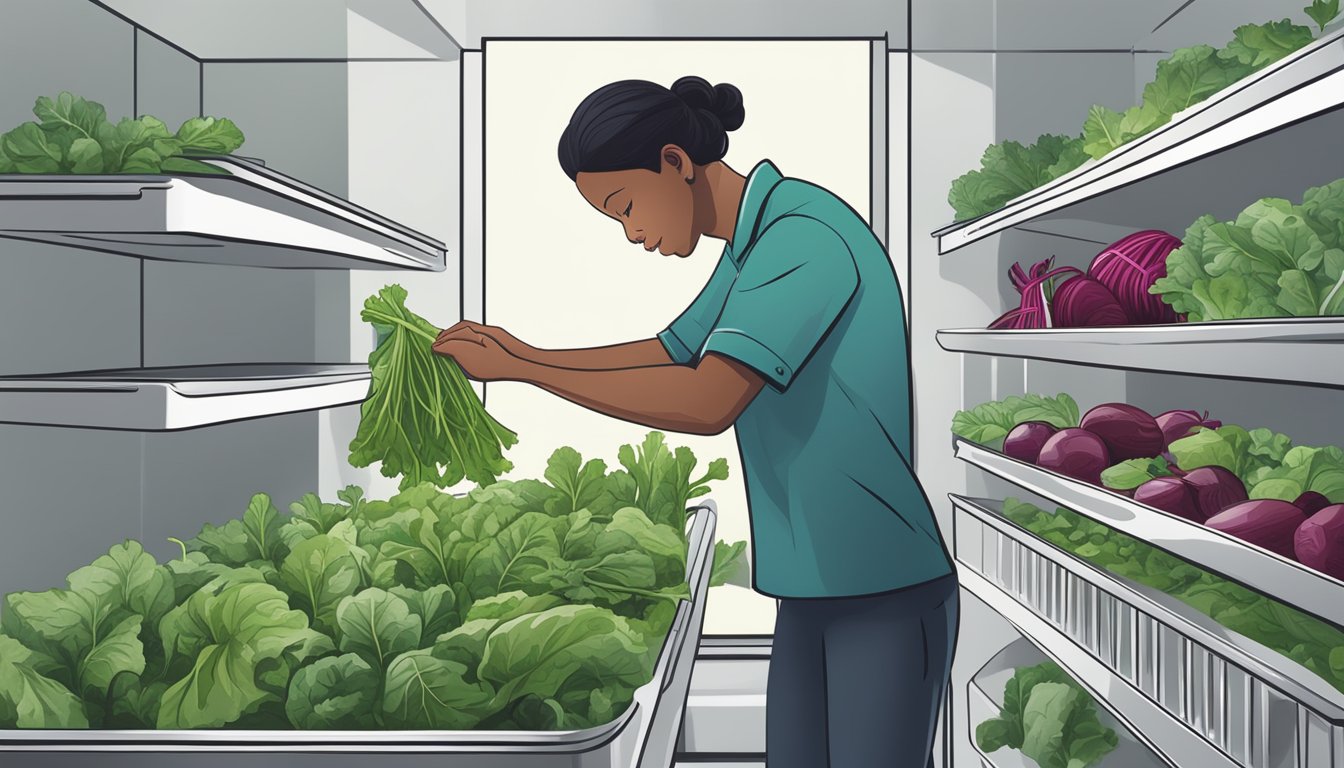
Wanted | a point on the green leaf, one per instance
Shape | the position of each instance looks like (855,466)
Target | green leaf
(580,483)
(426,692)
(31,700)
(1323,208)
(319,573)
(85,156)
(1322,12)
(989,423)
(238,638)
(261,521)
(1189,76)
(436,607)
(1259,45)
(1297,295)
(73,112)
(335,693)
(209,135)
(1011,169)
(126,140)
(510,605)
(377,625)
(1049,707)
(29,149)
(730,565)
(514,557)
(1101,132)
(1132,473)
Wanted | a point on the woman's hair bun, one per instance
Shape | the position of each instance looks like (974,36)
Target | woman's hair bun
(724,100)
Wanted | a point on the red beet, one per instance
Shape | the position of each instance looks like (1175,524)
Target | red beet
(1128,432)
(1311,502)
(1215,489)
(1178,424)
(1036,288)
(1171,495)
(1081,302)
(1024,443)
(1075,453)
(1319,542)
(1268,523)
(1130,266)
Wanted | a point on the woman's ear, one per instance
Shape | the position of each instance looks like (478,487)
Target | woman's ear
(675,157)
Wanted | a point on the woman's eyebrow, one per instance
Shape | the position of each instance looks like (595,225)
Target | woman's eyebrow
(608,200)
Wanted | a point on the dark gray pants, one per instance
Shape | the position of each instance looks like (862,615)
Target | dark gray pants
(858,682)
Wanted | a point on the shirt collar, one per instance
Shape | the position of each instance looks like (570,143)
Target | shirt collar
(759,183)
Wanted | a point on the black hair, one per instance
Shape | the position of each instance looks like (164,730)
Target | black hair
(626,124)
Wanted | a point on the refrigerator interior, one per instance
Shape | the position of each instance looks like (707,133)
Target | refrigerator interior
(907,96)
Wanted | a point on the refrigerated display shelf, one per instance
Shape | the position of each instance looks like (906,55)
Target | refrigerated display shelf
(1272,574)
(165,399)
(253,216)
(1167,736)
(644,736)
(984,700)
(1293,350)
(1222,685)
(1247,141)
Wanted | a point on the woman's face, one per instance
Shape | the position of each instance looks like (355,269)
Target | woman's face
(656,209)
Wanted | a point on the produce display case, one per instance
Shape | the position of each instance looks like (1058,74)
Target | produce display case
(1267,572)
(1199,161)
(162,399)
(643,736)
(253,216)
(1282,349)
(1227,700)
(984,698)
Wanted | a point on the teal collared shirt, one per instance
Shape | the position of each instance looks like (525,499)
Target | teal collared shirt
(806,296)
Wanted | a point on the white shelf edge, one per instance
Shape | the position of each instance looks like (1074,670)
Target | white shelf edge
(1282,350)
(1167,736)
(1256,105)
(1301,685)
(135,400)
(1284,580)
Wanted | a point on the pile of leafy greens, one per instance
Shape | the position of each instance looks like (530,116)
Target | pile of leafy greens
(536,604)
(1308,641)
(422,419)
(73,135)
(1276,259)
(1050,718)
(1187,77)
(989,423)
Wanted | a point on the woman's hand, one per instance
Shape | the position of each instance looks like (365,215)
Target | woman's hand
(508,341)
(481,356)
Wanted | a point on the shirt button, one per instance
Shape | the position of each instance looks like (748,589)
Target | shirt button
(779,370)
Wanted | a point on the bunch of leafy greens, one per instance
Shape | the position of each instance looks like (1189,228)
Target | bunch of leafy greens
(1308,641)
(73,135)
(537,604)
(1276,259)
(1187,77)
(989,423)
(1050,718)
(422,419)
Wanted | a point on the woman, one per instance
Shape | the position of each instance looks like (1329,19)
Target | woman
(798,341)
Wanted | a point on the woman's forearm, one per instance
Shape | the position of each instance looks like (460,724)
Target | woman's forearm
(635,354)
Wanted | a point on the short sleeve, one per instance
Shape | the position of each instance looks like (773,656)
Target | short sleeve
(684,337)
(796,282)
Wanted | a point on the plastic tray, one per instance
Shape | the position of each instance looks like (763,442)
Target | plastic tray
(644,736)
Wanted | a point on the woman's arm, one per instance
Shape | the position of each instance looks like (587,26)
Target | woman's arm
(634,354)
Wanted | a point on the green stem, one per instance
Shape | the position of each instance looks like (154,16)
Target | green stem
(181,544)
(398,321)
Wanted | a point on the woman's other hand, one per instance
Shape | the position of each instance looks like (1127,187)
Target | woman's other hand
(481,356)
(512,344)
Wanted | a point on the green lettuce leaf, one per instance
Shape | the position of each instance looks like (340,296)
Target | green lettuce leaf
(334,693)
(29,699)
(989,423)
(377,625)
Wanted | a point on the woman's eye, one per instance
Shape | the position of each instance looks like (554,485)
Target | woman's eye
(628,206)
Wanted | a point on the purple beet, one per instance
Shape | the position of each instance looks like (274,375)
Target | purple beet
(1215,489)
(1024,443)
(1171,495)
(1075,453)
(1311,502)
(1178,424)
(1128,432)
(1268,523)
(1319,542)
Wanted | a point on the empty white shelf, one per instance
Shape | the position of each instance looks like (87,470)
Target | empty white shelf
(160,399)
(1267,572)
(1295,350)
(252,217)
(1262,136)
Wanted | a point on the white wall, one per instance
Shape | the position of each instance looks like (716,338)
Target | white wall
(561,275)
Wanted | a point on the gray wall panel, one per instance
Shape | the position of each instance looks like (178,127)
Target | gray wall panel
(167,81)
(1039,93)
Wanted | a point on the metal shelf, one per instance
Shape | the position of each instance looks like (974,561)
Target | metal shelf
(1272,574)
(1292,350)
(984,699)
(160,399)
(252,217)
(1164,734)
(1245,142)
